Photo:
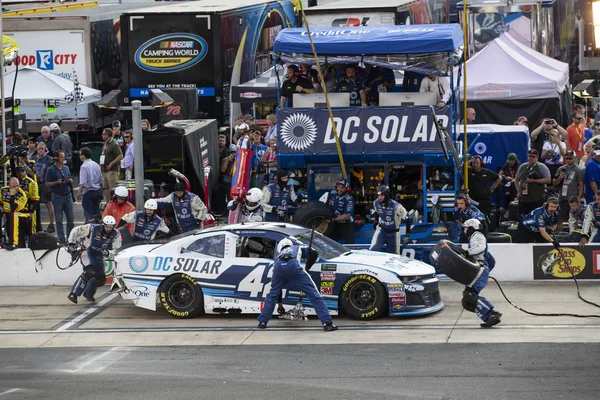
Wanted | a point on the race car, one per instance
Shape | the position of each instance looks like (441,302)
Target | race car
(228,269)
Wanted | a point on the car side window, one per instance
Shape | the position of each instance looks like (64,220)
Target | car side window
(255,247)
(213,246)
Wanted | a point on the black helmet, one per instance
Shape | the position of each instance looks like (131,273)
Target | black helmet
(179,187)
(385,191)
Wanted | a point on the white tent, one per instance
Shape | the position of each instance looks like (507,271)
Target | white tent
(35,87)
(535,56)
(505,71)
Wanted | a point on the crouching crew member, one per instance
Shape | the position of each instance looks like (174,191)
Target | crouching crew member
(102,241)
(478,251)
(278,197)
(537,226)
(14,207)
(30,187)
(387,219)
(576,217)
(591,222)
(251,209)
(342,206)
(189,210)
(146,224)
(286,270)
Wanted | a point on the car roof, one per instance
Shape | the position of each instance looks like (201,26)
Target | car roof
(279,227)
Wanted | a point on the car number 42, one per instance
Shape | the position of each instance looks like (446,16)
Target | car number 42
(257,282)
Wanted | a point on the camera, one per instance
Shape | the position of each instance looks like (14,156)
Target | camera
(534,175)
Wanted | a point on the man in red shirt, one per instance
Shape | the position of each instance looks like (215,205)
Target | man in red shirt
(576,136)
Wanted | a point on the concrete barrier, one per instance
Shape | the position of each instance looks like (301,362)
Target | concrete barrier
(18,268)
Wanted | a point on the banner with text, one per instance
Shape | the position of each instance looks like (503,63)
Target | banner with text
(402,129)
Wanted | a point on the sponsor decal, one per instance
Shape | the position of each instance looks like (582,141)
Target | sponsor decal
(395,290)
(139,291)
(183,264)
(352,21)
(327,284)
(328,267)
(596,258)
(251,95)
(549,264)
(354,278)
(397,303)
(171,52)
(326,290)
(370,313)
(328,276)
(366,271)
(138,264)
(413,288)
(46,60)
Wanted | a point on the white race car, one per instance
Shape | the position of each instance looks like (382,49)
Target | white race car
(228,269)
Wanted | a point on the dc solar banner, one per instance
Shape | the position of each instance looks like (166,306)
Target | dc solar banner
(403,129)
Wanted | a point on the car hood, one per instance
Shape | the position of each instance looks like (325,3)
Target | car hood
(400,265)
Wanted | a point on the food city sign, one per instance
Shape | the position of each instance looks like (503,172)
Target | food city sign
(360,130)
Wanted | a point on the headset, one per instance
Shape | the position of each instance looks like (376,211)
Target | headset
(552,200)
(462,197)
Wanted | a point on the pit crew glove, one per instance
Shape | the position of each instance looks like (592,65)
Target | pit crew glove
(281,213)
(72,247)
(405,240)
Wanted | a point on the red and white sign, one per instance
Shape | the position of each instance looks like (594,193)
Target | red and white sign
(596,257)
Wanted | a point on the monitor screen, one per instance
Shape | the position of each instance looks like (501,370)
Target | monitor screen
(309,100)
(407,99)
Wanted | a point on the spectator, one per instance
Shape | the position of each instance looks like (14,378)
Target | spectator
(438,85)
(470,116)
(479,185)
(531,182)
(62,142)
(14,202)
(522,121)
(589,132)
(540,134)
(28,216)
(46,137)
(227,169)
(508,173)
(116,129)
(31,148)
(243,137)
(269,160)
(54,130)
(58,180)
(576,135)
(220,194)
(294,84)
(570,178)
(258,170)
(592,175)
(249,119)
(90,182)
(305,70)
(378,80)
(553,151)
(595,131)
(353,85)
(588,150)
(43,162)
(129,155)
(313,76)
(272,127)
(109,162)
(119,206)
(145,126)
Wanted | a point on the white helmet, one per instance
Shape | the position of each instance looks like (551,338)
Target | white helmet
(109,220)
(472,223)
(151,204)
(253,198)
(283,244)
(120,191)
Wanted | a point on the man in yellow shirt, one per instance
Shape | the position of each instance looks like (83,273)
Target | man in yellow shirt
(14,207)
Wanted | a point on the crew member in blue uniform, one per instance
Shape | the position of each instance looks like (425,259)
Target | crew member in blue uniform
(103,240)
(342,205)
(287,269)
(478,252)
(464,211)
(278,197)
(576,218)
(146,224)
(189,210)
(537,226)
(591,222)
(354,85)
(387,219)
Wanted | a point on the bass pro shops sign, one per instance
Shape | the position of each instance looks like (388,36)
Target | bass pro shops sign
(361,130)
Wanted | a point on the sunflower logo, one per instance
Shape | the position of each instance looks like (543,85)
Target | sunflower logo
(298,131)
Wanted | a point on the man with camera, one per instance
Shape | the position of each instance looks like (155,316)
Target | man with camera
(58,180)
(540,134)
(592,175)
(531,180)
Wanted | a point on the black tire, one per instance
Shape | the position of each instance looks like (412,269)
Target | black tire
(493,224)
(513,210)
(364,297)
(504,225)
(445,258)
(513,231)
(181,296)
(498,237)
(315,212)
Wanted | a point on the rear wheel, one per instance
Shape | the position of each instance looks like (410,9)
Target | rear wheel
(181,296)
(364,297)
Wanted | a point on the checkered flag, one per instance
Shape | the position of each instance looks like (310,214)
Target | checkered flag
(77,93)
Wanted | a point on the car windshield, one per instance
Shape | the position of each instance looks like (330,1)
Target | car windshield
(326,247)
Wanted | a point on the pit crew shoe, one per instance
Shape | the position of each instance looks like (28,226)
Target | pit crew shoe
(89,298)
(51,228)
(493,319)
(72,297)
(329,326)
(281,310)
(262,325)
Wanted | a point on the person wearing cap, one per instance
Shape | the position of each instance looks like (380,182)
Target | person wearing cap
(189,210)
(508,173)
(90,185)
(243,139)
(569,180)
(341,204)
(295,83)
(522,121)
(30,187)
(479,185)
(119,206)
(62,142)
(13,204)
(592,175)
(249,119)
(531,180)
(116,128)
(46,138)
(110,162)
(540,134)
(278,197)
(576,135)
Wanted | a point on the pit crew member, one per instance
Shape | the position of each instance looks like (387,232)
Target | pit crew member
(342,205)
(278,197)
(387,219)
(189,210)
(537,226)
(146,224)
(251,209)
(119,206)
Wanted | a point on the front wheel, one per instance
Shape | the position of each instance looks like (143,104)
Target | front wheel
(181,296)
(364,297)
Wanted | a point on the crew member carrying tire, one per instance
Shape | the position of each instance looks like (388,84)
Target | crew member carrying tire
(479,253)
(103,240)
(278,197)
(537,226)
(342,206)
(386,220)
(146,224)
(287,269)
(189,210)
(251,209)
